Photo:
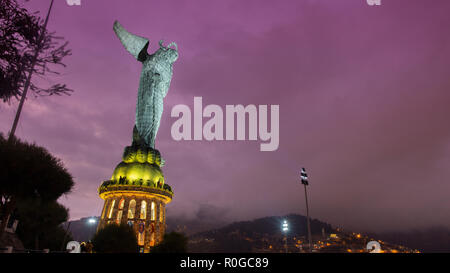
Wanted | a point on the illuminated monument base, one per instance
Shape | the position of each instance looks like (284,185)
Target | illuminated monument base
(136,195)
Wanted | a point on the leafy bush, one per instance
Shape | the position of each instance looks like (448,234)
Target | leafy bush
(173,242)
(115,239)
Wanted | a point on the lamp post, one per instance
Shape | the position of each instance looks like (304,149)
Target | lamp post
(285,229)
(304,180)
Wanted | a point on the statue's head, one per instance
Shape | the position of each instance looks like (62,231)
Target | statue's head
(167,52)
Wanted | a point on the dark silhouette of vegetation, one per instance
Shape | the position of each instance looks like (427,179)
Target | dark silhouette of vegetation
(29,172)
(173,242)
(115,239)
(19,39)
(40,224)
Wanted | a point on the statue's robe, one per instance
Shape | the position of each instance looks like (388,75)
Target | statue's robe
(153,86)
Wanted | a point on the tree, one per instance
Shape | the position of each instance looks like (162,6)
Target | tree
(173,242)
(29,172)
(115,239)
(40,224)
(20,34)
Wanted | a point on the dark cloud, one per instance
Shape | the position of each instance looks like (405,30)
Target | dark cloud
(211,213)
(206,217)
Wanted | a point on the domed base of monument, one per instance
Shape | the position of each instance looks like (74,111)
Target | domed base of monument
(142,208)
(137,195)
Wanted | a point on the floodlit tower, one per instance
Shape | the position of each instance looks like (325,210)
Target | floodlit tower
(285,229)
(304,180)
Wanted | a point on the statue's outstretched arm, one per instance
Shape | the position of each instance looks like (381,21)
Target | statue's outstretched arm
(134,44)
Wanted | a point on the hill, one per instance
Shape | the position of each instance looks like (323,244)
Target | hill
(259,235)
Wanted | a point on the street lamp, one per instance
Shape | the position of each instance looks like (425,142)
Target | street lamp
(285,226)
(285,229)
(304,180)
(91,222)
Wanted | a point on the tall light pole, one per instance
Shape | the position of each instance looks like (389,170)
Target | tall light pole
(28,81)
(304,179)
(285,229)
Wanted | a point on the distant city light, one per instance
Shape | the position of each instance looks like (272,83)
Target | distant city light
(285,226)
(92,221)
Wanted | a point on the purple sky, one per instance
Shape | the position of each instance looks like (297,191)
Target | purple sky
(363,92)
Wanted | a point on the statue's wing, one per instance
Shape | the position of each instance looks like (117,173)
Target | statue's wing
(134,44)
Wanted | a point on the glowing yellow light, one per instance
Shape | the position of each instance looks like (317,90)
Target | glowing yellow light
(135,171)
(118,193)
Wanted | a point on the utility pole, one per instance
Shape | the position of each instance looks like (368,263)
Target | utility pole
(28,81)
(304,180)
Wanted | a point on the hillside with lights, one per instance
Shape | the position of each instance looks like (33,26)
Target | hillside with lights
(265,235)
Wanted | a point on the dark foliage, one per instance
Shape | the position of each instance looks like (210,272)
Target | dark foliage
(29,172)
(115,239)
(19,39)
(40,224)
(173,242)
